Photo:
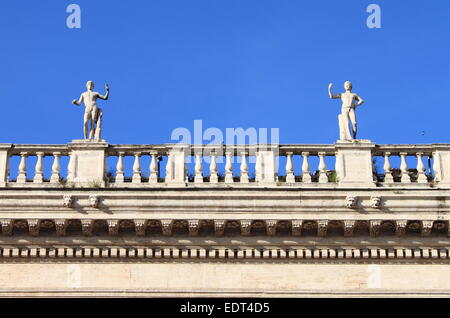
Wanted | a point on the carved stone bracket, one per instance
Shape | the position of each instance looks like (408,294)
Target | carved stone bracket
(322,226)
(67,201)
(87,226)
(426,228)
(113,227)
(139,227)
(271,226)
(60,225)
(94,201)
(246,226)
(167,227)
(7,227)
(349,226)
(219,227)
(376,202)
(400,227)
(297,227)
(350,202)
(194,226)
(33,227)
(375,227)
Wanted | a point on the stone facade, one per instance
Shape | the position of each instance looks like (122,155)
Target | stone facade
(210,226)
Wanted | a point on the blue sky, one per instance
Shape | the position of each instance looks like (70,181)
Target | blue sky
(230,63)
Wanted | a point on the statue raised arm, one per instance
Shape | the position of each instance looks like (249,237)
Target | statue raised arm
(331,94)
(92,113)
(350,101)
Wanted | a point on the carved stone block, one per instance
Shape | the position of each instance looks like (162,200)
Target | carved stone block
(61,225)
(375,227)
(350,202)
(193,227)
(349,226)
(219,227)
(246,226)
(400,227)
(87,226)
(271,226)
(426,228)
(167,227)
(113,227)
(7,227)
(297,227)
(67,201)
(376,202)
(140,226)
(322,226)
(33,227)
(94,201)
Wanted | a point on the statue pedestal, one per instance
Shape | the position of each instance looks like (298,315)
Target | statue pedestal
(4,169)
(441,165)
(176,171)
(266,168)
(354,166)
(87,166)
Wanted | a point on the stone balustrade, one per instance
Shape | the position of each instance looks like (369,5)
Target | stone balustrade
(344,164)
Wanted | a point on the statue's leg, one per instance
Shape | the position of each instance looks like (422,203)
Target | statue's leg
(93,117)
(98,129)
(86,122)
(352,116)
(345,123)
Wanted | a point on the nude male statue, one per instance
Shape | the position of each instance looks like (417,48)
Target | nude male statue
(349,103)
(92,112)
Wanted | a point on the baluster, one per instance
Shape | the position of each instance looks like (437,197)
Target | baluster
(290,177)
(56,168)
(322,168)
(22,177)
(213,178)
(198,178)
(169,168)
(259,168)
(8,168)
(38,171)
(244,168)
(137,177)
(228,168)
(388,177)
(71,168)
(421,177)
(120,177)
(153,178)
(306,173)
(404,168)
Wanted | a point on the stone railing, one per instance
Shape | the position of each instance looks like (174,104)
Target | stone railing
(360,164)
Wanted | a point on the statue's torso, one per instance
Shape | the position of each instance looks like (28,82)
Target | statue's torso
(348,100)
(90,99)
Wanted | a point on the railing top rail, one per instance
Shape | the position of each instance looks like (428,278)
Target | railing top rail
(411,149)
(130,149)
(282,149)
(312,149)
(33,149)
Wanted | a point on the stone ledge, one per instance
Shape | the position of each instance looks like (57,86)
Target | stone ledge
(192,227)
(84,293)
(224,253)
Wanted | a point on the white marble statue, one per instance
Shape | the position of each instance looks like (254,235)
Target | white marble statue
(349,103)
(92,112)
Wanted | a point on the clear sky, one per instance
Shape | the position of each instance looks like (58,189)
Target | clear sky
(230,63)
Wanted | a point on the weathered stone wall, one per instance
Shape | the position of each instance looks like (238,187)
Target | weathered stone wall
(261,279)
